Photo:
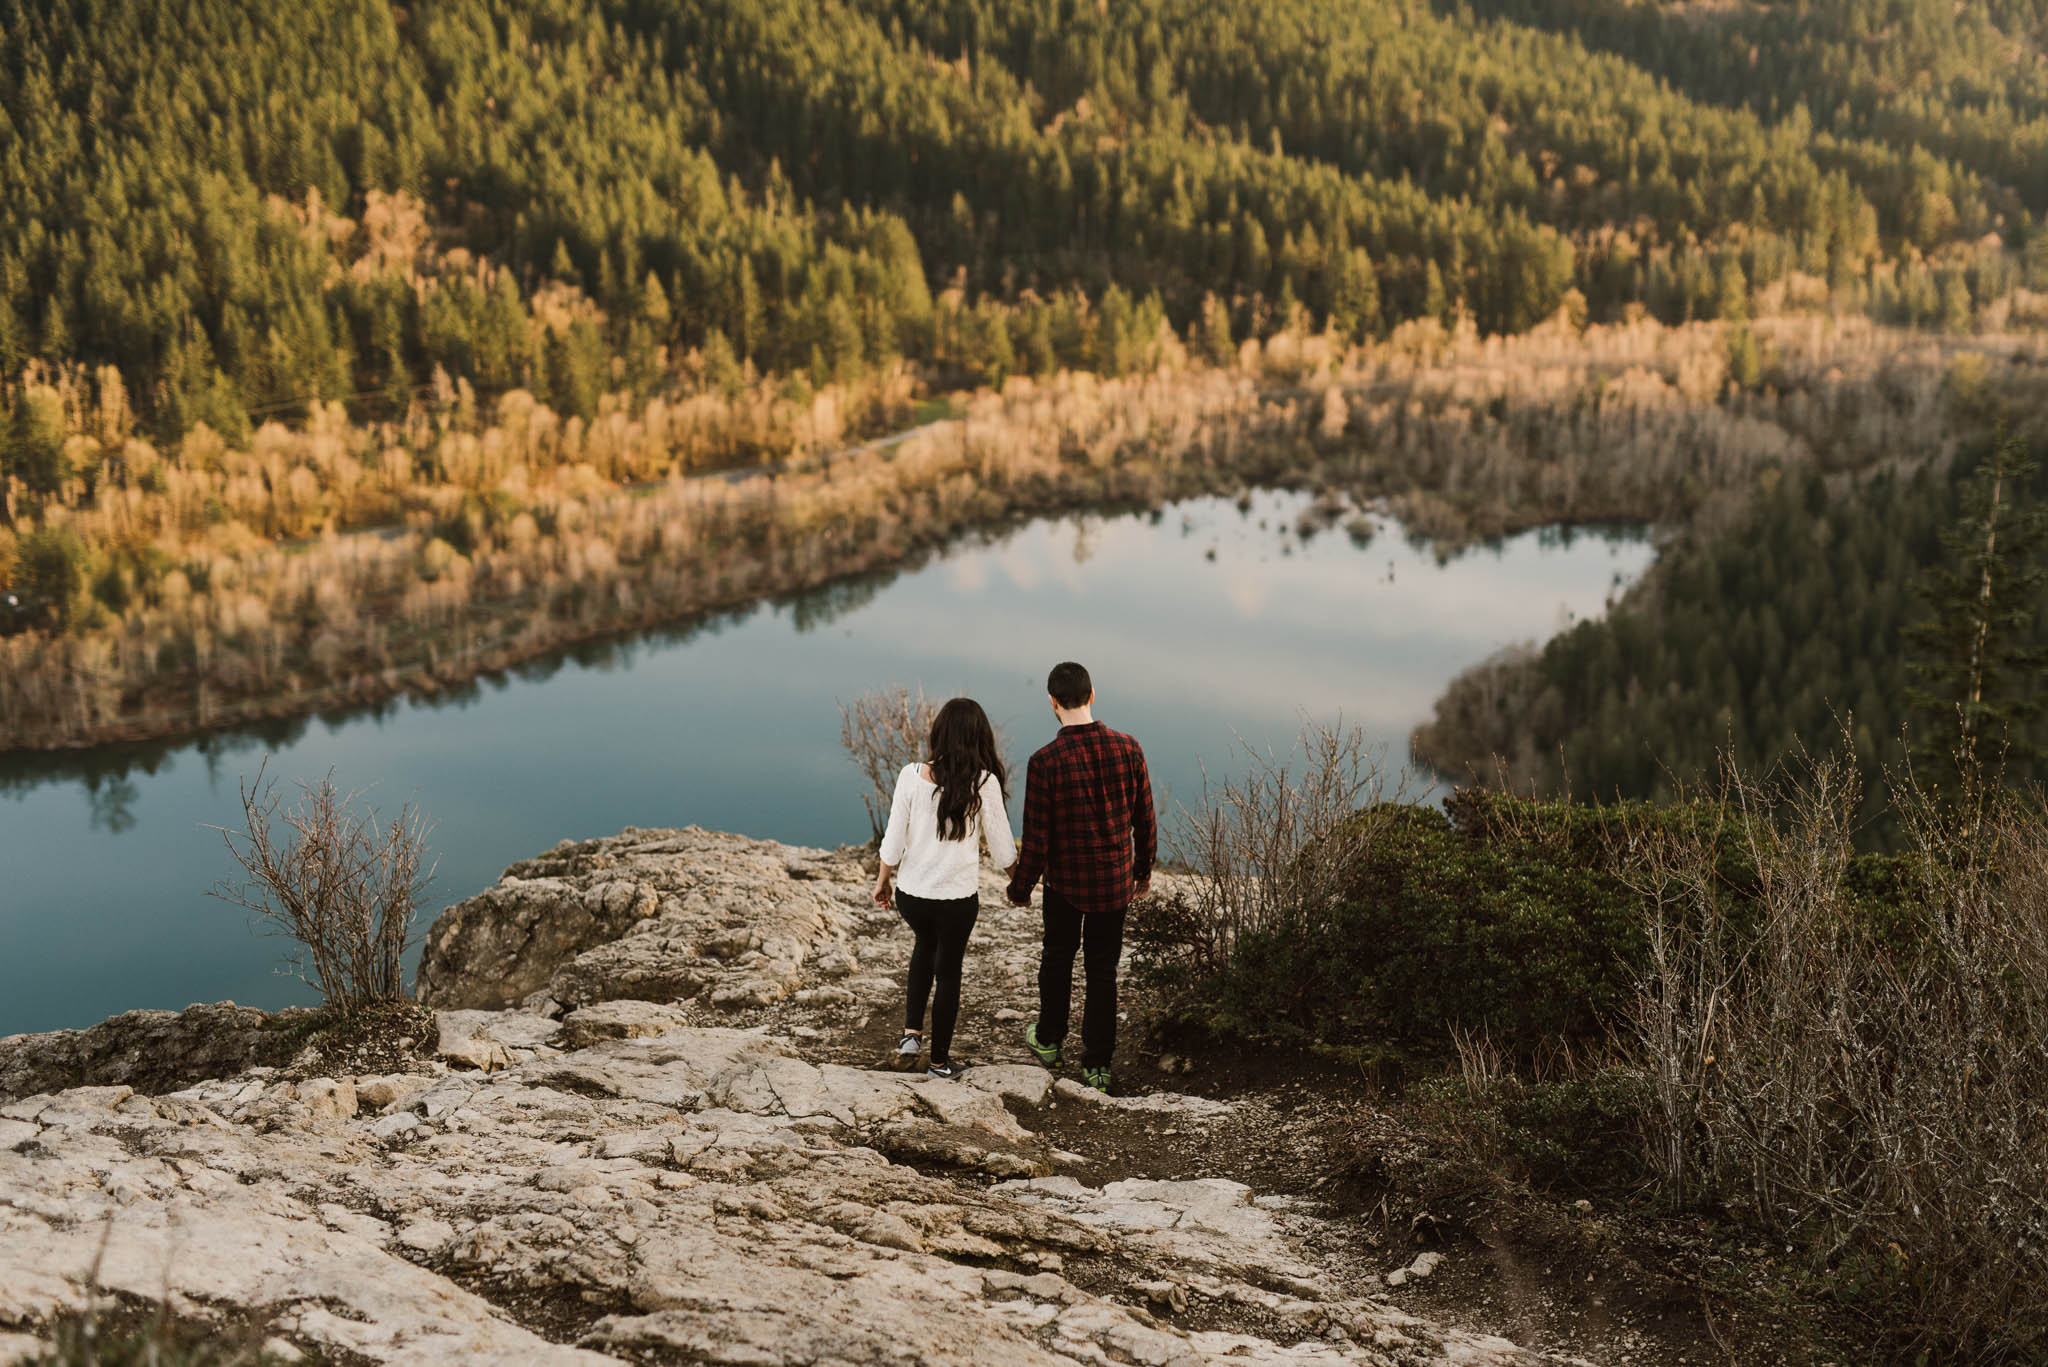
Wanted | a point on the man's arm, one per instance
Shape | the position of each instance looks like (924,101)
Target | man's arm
(1038,808)
(1144,825)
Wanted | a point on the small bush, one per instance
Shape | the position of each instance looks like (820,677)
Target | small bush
(1508,922)
(1499,914)
(1578,1133)
(343,886)
(1442,927)
(1273,849)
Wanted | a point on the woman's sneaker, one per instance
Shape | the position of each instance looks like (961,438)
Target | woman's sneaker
(1098,1078)
(1047,1054)
(906,1051)
(948,1070)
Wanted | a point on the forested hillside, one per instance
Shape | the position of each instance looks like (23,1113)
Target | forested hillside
(1961,84)
(1785,630)
(244,207)
(480,274)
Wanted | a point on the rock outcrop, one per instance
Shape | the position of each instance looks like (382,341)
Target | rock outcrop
(704,1177)
(651,915)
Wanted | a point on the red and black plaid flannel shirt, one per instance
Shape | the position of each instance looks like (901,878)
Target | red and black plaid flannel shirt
(1088,820)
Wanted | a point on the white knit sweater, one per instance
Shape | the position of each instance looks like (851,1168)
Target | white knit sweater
(927,866)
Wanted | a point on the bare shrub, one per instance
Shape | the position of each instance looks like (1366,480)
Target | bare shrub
(344,887)
(885,729)
(1692,953)
(1272,848)
(1864,1075)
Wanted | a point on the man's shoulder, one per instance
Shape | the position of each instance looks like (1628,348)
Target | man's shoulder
(1088,741)
(1122,740)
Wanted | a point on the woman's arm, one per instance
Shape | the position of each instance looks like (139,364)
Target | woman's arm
(895,839)
(995,824)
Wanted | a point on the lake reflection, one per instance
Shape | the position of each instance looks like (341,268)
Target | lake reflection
(1198,623)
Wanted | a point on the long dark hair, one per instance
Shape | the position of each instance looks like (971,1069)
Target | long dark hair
(963,748)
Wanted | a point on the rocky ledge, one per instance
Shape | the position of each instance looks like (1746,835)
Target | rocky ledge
(649,1136)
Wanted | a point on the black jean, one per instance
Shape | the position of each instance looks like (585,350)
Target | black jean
(942,926)
(1100,934)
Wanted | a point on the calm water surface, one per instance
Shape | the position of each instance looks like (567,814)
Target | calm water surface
(1200,624)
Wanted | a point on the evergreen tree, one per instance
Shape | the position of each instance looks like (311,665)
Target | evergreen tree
(1977,661)
(34,452)
(51,576)
(1216,342)
(1731,292)
(1745,362)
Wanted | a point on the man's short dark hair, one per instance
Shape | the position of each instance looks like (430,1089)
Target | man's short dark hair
(1069,685)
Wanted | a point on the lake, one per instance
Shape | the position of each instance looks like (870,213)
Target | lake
(1202,624)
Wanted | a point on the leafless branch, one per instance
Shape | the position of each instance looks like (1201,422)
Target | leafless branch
(345,888)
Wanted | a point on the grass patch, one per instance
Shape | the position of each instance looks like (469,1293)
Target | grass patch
(928,411)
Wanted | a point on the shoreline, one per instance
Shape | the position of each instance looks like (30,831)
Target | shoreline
(368,692)
(1466,438)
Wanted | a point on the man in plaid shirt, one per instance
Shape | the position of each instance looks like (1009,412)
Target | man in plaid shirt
(1089,829)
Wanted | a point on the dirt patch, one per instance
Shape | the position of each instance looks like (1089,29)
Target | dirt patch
(123,1328)
(1114,1280)
(556,1311)
(388,1037)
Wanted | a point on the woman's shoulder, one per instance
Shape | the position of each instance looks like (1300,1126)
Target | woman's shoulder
(912,772)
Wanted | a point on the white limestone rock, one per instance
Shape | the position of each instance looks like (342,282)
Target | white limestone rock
(646,915)
(329,1099)
(1024,1082)
(20,1348)
(619,1020)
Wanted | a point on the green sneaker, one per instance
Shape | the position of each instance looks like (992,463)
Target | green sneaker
(1098,1078)
(1047,1054)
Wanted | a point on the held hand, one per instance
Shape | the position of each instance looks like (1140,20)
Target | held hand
(882,893)
(1143,889)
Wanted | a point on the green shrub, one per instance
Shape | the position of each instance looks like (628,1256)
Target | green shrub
(1589,1133)
(1498,914)
(51,576)
(1446,927)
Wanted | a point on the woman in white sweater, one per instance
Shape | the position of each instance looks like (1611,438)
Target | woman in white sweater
(942,809)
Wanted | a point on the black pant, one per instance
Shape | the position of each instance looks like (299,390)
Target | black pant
(942,926)
(1101,934)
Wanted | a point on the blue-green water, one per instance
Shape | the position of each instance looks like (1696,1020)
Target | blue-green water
(105,855)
